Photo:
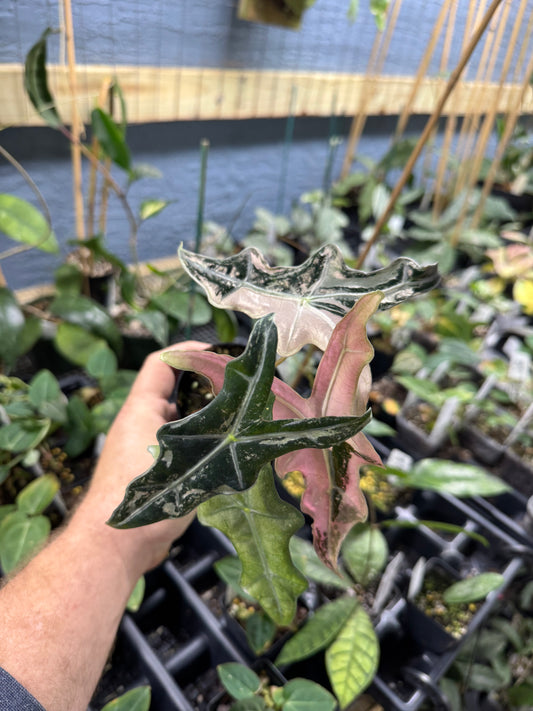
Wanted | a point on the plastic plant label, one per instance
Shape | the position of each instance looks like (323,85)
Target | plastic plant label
(399,460)
(511,346)
(519,366)
(444,419)
(483,314)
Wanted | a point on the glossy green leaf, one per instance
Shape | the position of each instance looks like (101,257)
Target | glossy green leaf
(156,322)
(36,83)
(80,311)
(102,363)
(307,300)
(176,304)
(521,694)
(5,510)
(76,344)
(23,222)
(238,680)
(45,394)
(151,208)
(38,494)
(260,524)
(365,552)
(11,326)
(221,448)
(68,280)
(20,537)
(260,631)
(471,589)
(21,435)
(226,325)
(306,559)
(111,138)
(319,631)
(305,695)
(352,660)
(137,595)
(435,526)
(30,334)
(462,480)
(134,700)
(79,427)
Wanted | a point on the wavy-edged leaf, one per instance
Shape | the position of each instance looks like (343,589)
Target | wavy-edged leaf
(319,631)
(20,537)
(221,448)
(307,300)
(137,699)
(365,552)
(80,311)
(342,385)
(38,494)
(472,589)
(111,138)
(260,525)
(36,82)
(352,660)
(23,222)
(11,326)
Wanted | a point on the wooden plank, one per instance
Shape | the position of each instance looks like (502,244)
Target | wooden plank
(189,93)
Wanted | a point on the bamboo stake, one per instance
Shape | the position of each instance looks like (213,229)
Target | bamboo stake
(375,63)
(77,125)
(423,66)
(507,133)
(454,78)
(488,125)
(469,172)
(95,148)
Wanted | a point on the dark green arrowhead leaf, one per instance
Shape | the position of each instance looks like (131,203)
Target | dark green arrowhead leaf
(23,222)
(111,138)
(238,680)
(308,300)
(221,448)
(36,83)
(260,525)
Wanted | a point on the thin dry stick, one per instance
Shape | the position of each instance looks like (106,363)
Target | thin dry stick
(77,125)
(469,173)
(507,133)
(488,124)
(423,66)
(454,78)
(379,51)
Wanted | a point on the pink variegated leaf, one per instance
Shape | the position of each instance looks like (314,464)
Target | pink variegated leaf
(342,384)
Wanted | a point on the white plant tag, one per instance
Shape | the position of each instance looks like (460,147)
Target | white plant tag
(511,346)
(399,460)
(519,367)
(444,420)
(483,314)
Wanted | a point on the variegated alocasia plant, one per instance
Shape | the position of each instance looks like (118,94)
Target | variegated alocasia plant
(217,459)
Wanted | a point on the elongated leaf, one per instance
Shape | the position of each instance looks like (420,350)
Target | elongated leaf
(111,138)
(306,559)
(21,435)
(137,595)
(11,327)
(319,631)
(365,552)
(80,311)
(45,394)
(352,659)
(455,478)
(475,588)
(307,300)
(260,524)
(20,537)
(38,494)
(305,695)
(134,700)
(151,208)
(239,681)
(36,83)
(342,384)
(23,222)
(221,448)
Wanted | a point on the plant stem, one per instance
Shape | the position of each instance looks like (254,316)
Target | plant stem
(454,78)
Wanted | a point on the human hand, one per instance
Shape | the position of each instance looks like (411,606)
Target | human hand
(125,456)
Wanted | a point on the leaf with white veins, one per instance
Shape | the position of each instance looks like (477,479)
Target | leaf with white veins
(307,300)
(342,385)
(221,448)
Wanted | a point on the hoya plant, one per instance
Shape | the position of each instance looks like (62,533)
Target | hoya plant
(219,459)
